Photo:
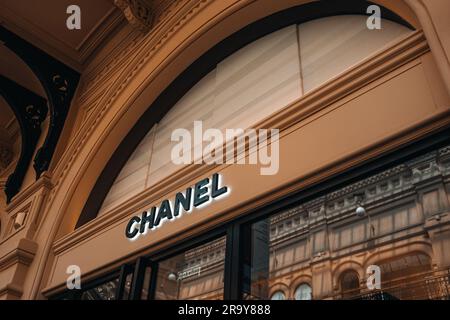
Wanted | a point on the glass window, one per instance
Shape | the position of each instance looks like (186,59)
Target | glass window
(194,274)
(279,295)
(303,292)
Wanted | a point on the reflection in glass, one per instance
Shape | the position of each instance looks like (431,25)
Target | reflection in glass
(275,248)
(194,274)
(349,283)
(146,284)
(303,292)
(278,296)
(105,291)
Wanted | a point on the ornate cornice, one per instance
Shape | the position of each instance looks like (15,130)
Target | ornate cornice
(139,13)
(23,254)
(148,47)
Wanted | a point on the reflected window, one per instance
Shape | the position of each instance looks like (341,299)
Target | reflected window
(349,284)
(303,292)
(402,278)
(194,274)
(279,295)
(403,267)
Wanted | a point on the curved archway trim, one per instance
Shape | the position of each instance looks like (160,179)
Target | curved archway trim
(201,67)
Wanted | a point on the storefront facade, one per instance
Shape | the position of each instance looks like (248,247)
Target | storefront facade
(362,179)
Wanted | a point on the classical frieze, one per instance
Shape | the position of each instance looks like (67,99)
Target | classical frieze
(143,14)
(147,48)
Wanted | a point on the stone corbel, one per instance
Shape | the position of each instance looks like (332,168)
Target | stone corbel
(139,13)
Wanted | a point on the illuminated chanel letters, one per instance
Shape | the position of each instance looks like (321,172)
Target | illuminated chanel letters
(202,193)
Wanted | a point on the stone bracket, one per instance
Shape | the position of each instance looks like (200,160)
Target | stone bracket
(59,82)
(30,111)
(139,13)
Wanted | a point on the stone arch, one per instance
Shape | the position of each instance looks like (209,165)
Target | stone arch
(279,286)
(128,99)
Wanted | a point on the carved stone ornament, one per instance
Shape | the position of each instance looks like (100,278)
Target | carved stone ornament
(139,13)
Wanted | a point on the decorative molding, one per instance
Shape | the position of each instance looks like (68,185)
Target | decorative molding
(96,37)
(135,42)
(155,41)
(143,15)
(44,182)
(139,13)
(11,290)
(22,255)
